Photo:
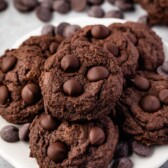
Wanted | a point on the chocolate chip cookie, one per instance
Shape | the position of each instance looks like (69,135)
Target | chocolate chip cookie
(143,108)
(20,98)
(81,81)
(149,45)
(58,144)
(115,43)
(47,43)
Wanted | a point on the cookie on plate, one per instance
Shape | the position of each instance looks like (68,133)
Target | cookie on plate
(143,108)
(81,82)
(115,43)
(149,45)
(56,144)
(20,98)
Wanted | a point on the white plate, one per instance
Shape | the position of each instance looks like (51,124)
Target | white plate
(18,153)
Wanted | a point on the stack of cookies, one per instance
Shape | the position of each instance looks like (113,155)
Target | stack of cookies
(85,92)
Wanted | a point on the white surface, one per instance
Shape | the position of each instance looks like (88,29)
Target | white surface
(18,154)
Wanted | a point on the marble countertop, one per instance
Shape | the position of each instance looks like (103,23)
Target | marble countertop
(15,25)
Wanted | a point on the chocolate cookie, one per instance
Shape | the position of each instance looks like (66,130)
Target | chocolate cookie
(81,81)
(115,43)
(47,43)
(149,45)
(58,144)
(20,99)
(144,107)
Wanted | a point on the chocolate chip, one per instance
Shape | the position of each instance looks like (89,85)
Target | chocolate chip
(122,163)
(72,88)
(57,152)
(78,5)
(24,132)
(60,28)
(95,2)
(141,83)
(48,30)
(114,14)
(164,67)
(143,19)
(70,63)
(49,123)
(9,133)
(44,14)
(96,11)
(70,30)
(112,48)
(8,63)
(31,93)
(62,6)
(97,136)
(132,38)
(3,5)
(163,96)
(125,6)
(150,103)
(53,47)
(30,3)
(4,94)
(97,73)
(21,7)
(100,31)
(141,150)
(47,4)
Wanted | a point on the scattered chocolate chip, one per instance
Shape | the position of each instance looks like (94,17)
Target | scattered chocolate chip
(111,47)
(96,11)
(24,132)
(44,14)
(47,4)
(132,38)
(141,150)
(122,163)
(21,7)
(165,165)
(163,96)
(60,28)
(49,123)
(114,14)
(30,3)
(97,73)
(78,5)
(31,93)
(8,63)
(141,83)
(100,32)
(3,5)
(53,47)
(4,94)
(48,30)
(70,63)
(150,104)
(70,30)
(57,152)
(125,6)
(143,19)
(62,6)
(9,134)
(97,136)
(72,88)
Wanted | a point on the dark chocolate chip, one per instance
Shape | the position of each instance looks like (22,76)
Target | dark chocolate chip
(47,4)
(132,38)
(70,30)
(48,30)
(141,83)
(97,136)
(70,63)
(150,104)
(24,132)
(60,28)
(78,5)
(125,6)
(72,88)
(122,163)
(9,133)
(141,150)
(96,11)
(31,93)
(62,6)
(49,123)
(163,96)
(8,63)
(21,7)
(100,31)
(97,73)
(4,94)
(111,47)
(53,47)
(3,5)
(95,2)
(30,3)
(57,152)
(114,14)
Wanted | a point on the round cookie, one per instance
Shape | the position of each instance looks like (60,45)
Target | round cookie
(20,99)
(81,82)
(143,108)
(149,45)
(115,43)
(47,43)
(58,144)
